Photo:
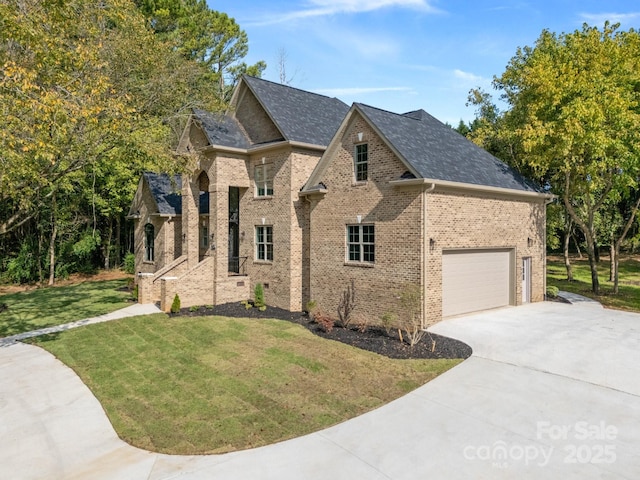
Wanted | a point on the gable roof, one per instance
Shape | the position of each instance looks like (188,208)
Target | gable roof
(221,129)
(165,191)
(436,151)
(301,116)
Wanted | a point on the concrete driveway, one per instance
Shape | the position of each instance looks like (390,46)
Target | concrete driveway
(552,391)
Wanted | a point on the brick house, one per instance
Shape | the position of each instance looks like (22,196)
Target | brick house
(303,194)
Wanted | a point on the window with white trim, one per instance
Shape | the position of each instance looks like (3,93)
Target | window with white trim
(361,243)
(264,243)
(361,162)
(263,176)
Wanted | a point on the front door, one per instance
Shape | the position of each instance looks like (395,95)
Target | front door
(526,280)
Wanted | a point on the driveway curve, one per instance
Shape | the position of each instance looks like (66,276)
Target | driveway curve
(551,391)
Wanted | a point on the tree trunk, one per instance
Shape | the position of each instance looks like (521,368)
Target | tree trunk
(619,241)
(40,270)
(612,258)
(567,261)
(593,266)
(107,248)
(52,243)
(614,267)
(118,246)
(575,242)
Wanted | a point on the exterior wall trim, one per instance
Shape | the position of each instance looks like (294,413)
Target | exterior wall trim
(447,185)
(262,148)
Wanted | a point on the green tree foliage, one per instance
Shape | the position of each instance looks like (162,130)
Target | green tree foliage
(572,121)
(209,37)
(91,97)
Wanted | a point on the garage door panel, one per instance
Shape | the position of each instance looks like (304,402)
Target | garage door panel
(475,280)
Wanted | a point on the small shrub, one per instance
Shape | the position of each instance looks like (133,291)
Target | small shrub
(248,306)
(175,305)
(325,321)
(361,322)
(130,263)
(312,305)
(193,308)
(411,303)
(388,320)
(262,308)
(258,293)
(552,291)
(347,304)
(209,307)
(134,293)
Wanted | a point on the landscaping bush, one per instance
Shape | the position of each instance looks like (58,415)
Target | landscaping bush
(388,321)
(552,291)
(130,263)
(325,321)
(411,303)
(258,293)
(175,305)
(347,304)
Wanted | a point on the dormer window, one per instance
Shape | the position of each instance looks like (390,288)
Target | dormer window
(263,176)
(361,164)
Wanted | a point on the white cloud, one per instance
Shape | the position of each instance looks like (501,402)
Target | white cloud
(355,91)
(321,8)
(598,19)
(468,77)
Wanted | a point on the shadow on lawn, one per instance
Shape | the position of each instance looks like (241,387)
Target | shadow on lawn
(35,309)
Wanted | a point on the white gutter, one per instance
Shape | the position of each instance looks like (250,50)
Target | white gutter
(263,148)
(468,186)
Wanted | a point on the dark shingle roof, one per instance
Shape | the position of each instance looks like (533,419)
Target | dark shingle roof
(165,191)
(301,116)
(437,151)
(221,129)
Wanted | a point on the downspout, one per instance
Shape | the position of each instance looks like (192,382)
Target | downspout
(544,248)
(425,251)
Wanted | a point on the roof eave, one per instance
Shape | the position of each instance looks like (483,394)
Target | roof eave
(470,187)
(263,148)
(321,192)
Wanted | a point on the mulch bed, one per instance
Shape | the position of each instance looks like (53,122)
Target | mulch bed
(373,339)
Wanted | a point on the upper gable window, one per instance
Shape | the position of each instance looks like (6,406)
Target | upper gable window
(263,176)
(361,164)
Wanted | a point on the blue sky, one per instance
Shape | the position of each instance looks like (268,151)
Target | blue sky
(401,55)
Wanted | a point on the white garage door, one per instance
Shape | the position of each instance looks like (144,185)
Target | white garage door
(475,280)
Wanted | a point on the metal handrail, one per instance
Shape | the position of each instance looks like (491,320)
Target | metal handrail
(237,265)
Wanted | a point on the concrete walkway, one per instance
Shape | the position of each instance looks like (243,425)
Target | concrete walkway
(131,311)
(551,391)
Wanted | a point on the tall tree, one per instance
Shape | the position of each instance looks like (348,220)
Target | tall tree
(573,119)
(87,105)
(210,37)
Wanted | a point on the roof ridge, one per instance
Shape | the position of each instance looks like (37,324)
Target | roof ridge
(308,92)
(403,115)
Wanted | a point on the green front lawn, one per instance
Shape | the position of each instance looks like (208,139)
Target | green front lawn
(629,284)
(46,307)
(201,385)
